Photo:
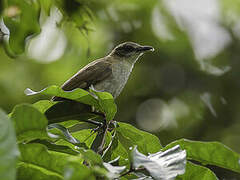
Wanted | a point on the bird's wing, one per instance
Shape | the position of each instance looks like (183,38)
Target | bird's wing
(89,75)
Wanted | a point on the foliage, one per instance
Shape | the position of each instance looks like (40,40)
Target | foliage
(193,79)
(8,148)
(126,151)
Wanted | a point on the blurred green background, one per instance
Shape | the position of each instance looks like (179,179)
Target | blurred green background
(187,88)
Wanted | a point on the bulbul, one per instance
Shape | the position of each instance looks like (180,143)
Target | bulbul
(109,73)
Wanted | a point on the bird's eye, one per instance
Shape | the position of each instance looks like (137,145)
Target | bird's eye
(125,50)
(128,48)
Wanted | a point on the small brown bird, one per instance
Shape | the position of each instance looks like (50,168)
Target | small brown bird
(108,74)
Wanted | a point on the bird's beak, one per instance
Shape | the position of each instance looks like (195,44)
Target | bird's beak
(145,48)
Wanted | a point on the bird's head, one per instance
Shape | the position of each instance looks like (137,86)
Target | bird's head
(130,50)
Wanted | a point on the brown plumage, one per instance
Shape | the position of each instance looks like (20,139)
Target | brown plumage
(91,74)
(109,73)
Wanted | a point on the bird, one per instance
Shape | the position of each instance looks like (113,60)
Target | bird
(107,74)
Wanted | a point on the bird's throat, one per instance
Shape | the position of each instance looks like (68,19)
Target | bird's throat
(116,82)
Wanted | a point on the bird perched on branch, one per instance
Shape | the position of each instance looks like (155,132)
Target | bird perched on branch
(109,73)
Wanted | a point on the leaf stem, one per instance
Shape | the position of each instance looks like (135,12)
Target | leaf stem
(131,170)
(101,147)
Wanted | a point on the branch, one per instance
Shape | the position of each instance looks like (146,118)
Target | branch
(101,147)
(131,170)
(99,141)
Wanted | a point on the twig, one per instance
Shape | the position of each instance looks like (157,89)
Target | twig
(127,172)
(101,147)
(110,144)
(131,170)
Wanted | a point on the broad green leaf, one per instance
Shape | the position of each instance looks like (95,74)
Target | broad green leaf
(76,171)
(22,20)
(84,136)
(122,152)
(59,148)
(99,142)
(86,154)
(100,172)
(56,115)
(74,125)
(63,133)
(29,171)
(59,131)
(8,148)
(29,123)
(196,172)
(79,95)
(213,153)
(130,136)
(125,141)
(103,100)
(107,104)
(71,110)
(161,165)
(36,162)
(122,149)
(90,156)
(112,145)
(43,105)
(116,151)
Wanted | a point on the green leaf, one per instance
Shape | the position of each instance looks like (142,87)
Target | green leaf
(126,143)
(104,101)
(71,110)
(97,143)
(76,171)
(116,150)
(107,104)
(119,150)
(58,148)
(63,133)
(59,131)
(213,153)
(196,172)
(90,156)
(8,148)
(29,123)
(112,145)
(74,125)
(86,154)
(43,105)
(77,94)
(130,136)
(84,136)
(36,162)
(100,172)
(28,171)
(22,20)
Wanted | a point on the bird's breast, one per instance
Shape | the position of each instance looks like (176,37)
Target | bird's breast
(116,82)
